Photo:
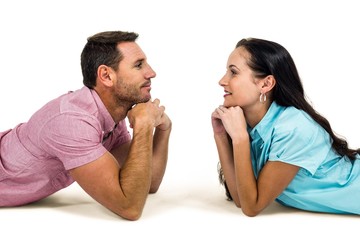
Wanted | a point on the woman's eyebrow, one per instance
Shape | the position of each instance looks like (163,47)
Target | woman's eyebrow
(233,66)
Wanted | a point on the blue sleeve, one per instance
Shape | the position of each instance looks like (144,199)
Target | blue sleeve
(300,141)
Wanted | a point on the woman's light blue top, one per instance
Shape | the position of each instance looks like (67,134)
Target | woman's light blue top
(326,181)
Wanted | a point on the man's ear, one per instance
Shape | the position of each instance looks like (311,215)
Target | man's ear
(105,75)
(269,83)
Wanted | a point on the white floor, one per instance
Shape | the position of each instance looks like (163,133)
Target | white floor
(175,212)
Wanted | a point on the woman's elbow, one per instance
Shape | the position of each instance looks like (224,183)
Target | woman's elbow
(250,212)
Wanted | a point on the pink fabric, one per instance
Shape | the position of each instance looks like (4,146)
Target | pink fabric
(66,133)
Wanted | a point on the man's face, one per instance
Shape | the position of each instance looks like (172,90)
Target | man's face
(133,77)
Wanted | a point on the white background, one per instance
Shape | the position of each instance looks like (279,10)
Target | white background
(187,43)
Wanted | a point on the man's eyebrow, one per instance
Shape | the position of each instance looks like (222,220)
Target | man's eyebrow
(140,60)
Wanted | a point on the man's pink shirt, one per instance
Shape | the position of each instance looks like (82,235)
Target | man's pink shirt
(66,133)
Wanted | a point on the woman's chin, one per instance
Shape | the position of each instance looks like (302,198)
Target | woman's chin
(227,105)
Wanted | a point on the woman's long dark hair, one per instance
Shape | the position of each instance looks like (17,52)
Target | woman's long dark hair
(270,58)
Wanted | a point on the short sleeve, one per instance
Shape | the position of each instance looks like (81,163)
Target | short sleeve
(73,139)
(303,143)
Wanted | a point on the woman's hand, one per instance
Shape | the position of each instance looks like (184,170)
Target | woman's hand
(232,120)
(217,124)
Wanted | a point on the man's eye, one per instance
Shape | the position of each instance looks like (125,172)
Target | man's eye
(138,65)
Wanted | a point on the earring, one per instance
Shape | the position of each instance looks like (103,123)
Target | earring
(262,97)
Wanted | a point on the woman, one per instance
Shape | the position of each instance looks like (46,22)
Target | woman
(273,145)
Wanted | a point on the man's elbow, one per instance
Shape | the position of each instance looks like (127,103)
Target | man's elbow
(129,209)
(131,214)
(154,189)
(155,185)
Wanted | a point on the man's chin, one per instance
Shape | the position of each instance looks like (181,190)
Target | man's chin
(144,100)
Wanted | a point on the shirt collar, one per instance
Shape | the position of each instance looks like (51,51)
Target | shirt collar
(264,127)
(107,122)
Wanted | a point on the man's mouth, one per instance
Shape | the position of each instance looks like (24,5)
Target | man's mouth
(147,84)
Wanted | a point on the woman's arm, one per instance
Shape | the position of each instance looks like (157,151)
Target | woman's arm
(256,194)
(223,144)
(225,152)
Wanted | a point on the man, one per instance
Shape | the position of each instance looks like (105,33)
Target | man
(82,135)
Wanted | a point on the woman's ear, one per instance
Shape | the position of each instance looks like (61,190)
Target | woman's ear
(269,83)
(105,75)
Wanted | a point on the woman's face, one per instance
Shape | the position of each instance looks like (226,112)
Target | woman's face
(240,86)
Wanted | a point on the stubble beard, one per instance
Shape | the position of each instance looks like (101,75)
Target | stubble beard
(130,96)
